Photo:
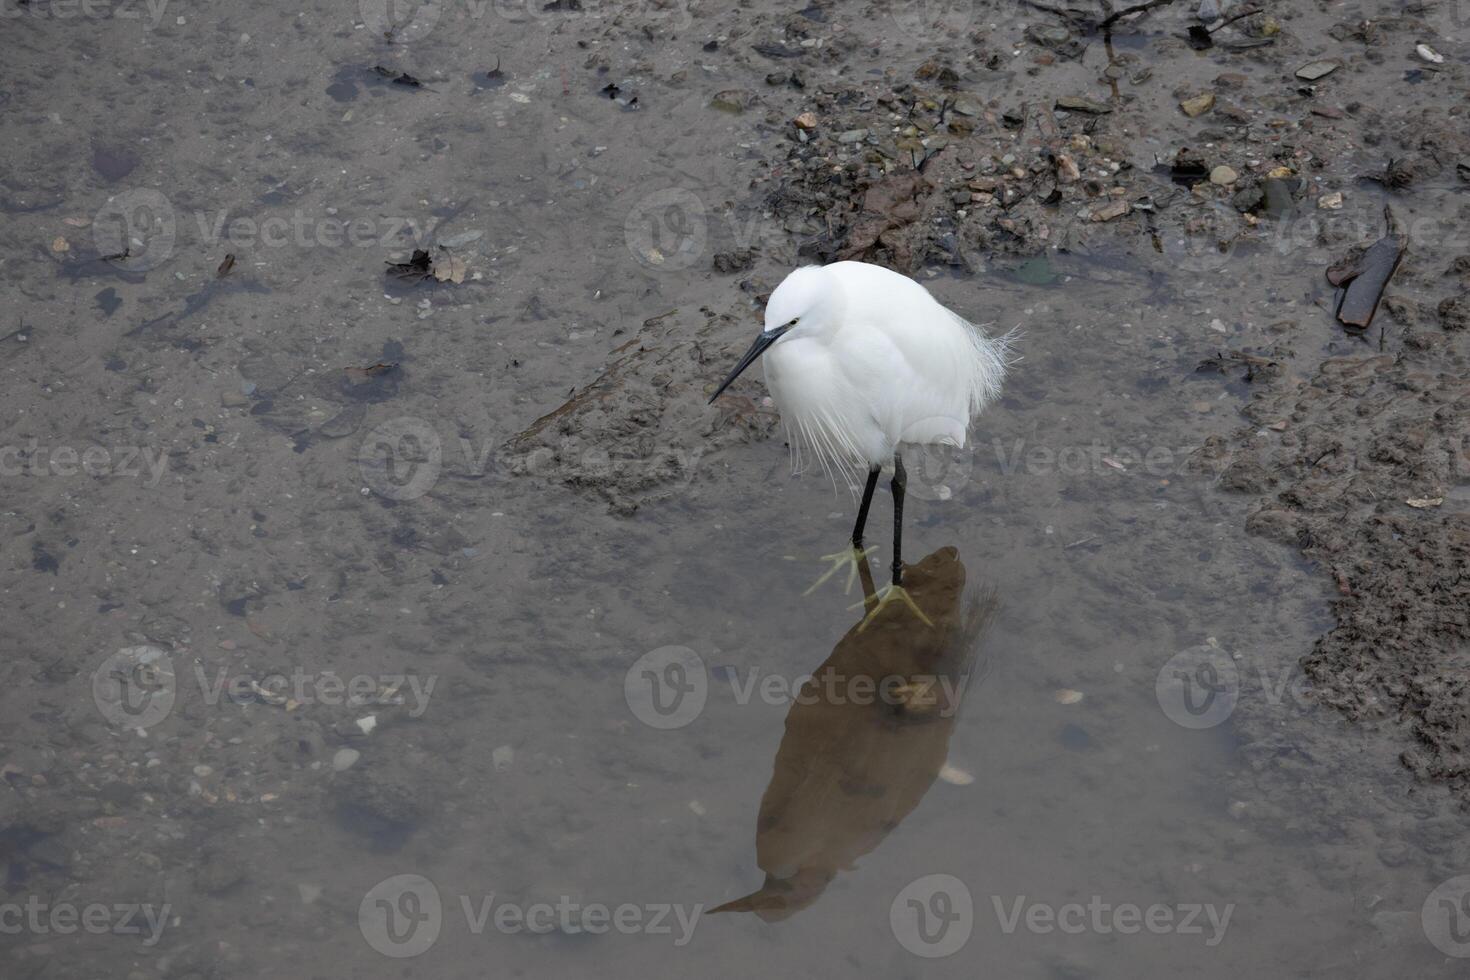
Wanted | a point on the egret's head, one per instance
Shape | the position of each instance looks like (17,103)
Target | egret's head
(799,307)
(800,303)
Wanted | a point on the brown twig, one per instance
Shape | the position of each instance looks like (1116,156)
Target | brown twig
(1240,16)
(1137,8)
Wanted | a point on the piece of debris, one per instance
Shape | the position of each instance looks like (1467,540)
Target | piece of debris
(1422,503)
(1198,105)
(1314,70)
(1429,54)
(1075,103)
(738,260)
(1330,202)
(1366,277)
(415,269)
(397,77)
(955,776)
(371,371)
(772,50)
(806,120)
(450,268)
(494,78)
(1111,210)
(226,266)
(1188,167)
(1067,170)
(1223,175)
(733,100)
(445,268)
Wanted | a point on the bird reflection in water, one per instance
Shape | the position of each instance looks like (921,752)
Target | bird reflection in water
(866,737)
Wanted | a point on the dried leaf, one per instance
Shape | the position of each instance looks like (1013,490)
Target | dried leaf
(450,268)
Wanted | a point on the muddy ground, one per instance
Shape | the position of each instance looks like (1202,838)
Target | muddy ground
(330,563)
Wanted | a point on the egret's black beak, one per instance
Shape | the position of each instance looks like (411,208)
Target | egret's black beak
(766,339)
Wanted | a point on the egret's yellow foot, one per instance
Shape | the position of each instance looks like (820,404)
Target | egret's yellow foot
(886,595)
(849,558)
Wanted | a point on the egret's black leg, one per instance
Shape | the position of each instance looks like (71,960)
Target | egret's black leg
(854,558)
(900,480)
(895,592)
(862,518)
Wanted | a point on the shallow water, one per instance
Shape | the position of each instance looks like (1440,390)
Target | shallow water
(496,621)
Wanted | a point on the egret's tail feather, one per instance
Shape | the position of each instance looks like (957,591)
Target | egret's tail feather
(987,365)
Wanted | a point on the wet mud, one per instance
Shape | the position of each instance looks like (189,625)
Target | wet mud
(317,576)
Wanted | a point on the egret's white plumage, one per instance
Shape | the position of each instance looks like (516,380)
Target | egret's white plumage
(861,360)
(873,361)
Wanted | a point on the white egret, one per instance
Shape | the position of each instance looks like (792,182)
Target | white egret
(863,360)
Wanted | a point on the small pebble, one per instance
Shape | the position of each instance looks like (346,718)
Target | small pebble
(1223,175)
(344,759)
(955,776)
(1199,105)
(1316,69)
